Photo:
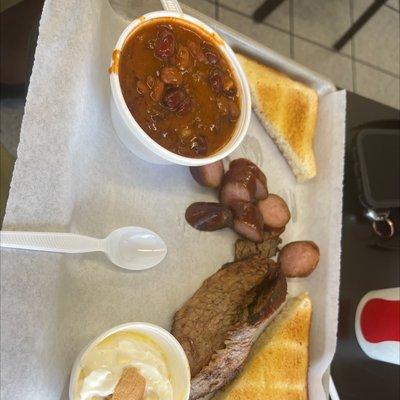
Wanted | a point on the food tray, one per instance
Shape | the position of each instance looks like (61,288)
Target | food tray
(72,174)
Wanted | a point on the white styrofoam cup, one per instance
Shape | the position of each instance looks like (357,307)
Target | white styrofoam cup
(136,139)
(176,359)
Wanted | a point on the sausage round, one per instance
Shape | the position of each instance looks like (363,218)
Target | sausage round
(299,259)
(247,220)
(237,185)
(276,232)
(208,216)
(209,175)
(275,211)
(261,179)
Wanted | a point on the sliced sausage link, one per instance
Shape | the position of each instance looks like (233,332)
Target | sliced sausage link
(208,216)
(275,212)
(209,175)
(299,259)
(247,220)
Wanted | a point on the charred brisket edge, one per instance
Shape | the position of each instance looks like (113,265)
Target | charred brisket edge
(273,289)
(275,241)
(274,284)
(230,375)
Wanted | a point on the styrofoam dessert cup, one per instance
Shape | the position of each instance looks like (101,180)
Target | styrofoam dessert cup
(176,359)
(136,139)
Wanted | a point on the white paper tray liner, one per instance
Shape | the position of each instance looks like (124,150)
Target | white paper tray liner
(73,174)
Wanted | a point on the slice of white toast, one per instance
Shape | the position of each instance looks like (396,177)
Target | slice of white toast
(288,111)
(277,367)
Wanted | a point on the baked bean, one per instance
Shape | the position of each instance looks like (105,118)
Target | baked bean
(150,82)
(182,58)
(158,90)
(199,145)
(186,132)
(165,43)
(185,107)
(215,79)
(212,57)
(197,51)
(234,111)
(151,44)
(171,76)
(227,83)
(141,87)
(223,105)
(173,98)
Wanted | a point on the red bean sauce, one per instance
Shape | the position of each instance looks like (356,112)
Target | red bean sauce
(179,87)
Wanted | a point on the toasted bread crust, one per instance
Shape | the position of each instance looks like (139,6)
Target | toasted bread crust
(288,110)
(277,367)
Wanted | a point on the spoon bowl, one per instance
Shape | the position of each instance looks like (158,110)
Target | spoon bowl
(132,247)
(135,248)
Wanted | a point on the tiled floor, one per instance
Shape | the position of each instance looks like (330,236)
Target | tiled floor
(307,29)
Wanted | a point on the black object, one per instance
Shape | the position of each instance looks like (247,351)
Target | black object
(265,9)
(361,21)
(20,91)
(364,267)
(377,171)
(379,186)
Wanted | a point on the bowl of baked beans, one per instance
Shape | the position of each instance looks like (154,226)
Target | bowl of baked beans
(179,95)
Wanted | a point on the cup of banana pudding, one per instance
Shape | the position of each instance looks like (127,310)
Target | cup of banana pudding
(133,361)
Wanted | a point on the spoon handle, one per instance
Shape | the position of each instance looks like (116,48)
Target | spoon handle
(171,5)
(50,241)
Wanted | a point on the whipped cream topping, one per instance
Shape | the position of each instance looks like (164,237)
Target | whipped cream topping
(102,367)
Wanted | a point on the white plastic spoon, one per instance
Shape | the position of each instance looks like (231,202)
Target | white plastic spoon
(171,5)
(131,247)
